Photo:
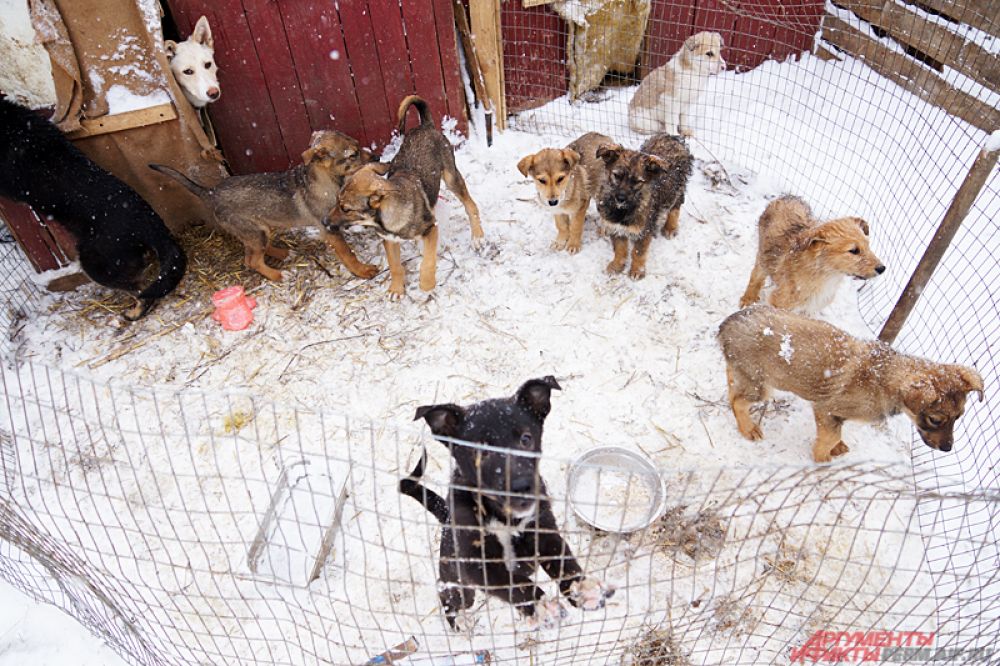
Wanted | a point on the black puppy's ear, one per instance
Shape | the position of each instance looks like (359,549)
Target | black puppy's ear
(534,395)
(443,419)
(655,165)
(609,154)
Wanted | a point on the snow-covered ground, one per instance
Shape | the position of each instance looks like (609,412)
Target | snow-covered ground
(639,367)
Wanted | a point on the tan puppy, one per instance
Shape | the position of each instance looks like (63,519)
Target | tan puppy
(567,179)
(397,199)
(664,97)
(252,207)
(845,378)
(805,259)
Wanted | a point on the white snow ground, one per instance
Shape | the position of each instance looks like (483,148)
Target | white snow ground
(637,360)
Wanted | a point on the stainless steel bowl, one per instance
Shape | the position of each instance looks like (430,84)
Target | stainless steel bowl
(615,489)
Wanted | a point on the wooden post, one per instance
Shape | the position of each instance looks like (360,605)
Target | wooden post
(474,67)
(953,218)
(485,15)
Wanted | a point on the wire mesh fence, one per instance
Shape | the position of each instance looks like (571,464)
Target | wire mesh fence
(191,526)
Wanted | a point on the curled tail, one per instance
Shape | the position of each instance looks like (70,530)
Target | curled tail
(428,498)
(173,263)
(422,109)
(195,188)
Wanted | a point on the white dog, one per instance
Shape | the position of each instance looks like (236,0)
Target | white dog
(193,65)
(661,103)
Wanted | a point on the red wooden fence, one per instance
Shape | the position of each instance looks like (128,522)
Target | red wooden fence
(289,67)
(753,31)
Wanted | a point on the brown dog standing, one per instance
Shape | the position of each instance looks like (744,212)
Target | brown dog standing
(252,207)
(566,180)
(397,199)
(805,258)
(845,378)
(643,192)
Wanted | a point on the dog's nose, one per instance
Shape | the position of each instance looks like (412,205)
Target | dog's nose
(880,269)
(553,202)
(522,484)
(945,446)
(213,93)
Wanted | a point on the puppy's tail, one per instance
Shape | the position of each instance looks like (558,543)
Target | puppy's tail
(173,263)
(195,188)
(422,109)
(428,498)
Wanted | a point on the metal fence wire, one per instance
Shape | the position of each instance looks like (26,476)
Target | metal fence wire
(206,527)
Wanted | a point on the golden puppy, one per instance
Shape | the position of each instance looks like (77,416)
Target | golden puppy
(567,179)
(805,259)
(663,99)
(845,378)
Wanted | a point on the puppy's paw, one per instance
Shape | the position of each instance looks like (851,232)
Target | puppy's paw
(752,432)
(615,267)
(548,614)
(464,622)
(839,450)
(637,273)
(396,292)
(558,244)
(573,246)
(478,242)
(669,232)
(590,593)
(366,271)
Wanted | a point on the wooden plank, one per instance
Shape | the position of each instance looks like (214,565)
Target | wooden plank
(670,23)
(715,16)
(245,119)
(485,17)
(359,36)
(267,28)
(424,57)
(43,251)
(950,224)
(936,41)
(321,62)
(911,76)
(123,121)
(753,34)
(803,19)
(534,56)
(980,14)
(454,87)
(394,54)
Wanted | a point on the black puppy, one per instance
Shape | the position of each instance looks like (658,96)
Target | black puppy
(498,523)
(115,229)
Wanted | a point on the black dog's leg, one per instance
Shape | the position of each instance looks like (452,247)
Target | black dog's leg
(557,560)
(454,595)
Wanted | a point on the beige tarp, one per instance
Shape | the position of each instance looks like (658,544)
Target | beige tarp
(604,36)
(118,101)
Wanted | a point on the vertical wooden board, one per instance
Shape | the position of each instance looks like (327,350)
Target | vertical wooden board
(244,118)
(753,36)
(359,37)
(670,23)
(424,56)
(534,51)
(715,16)
(447,41)
(804,17)
(393,54)
(270,40)
(42,251)
(784,30)
(322,65)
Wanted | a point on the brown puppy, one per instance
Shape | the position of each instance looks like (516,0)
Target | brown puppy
(566,180)
(807,259)
(400,204)
(845,378)
(643,190)
(252,207)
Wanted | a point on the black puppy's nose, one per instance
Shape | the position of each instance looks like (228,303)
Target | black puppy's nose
(553,202)
(522,484)
(880,269)
(945,446)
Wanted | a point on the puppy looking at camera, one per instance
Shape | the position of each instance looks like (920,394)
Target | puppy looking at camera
(807,259)
(397,199)
(566,180)
(641,193)
(845,379)
(663,100)
(498,523)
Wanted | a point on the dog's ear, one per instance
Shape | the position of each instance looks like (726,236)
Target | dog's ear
(170,46)
(609,154)
(918,395)
(375,200)
(655,165)
(817,237)
(570,158)
(381,168)
(691,43)
(443,419)
(534,395)
(203,33)
(524,166)
(311,154)
(973,380)
(367,155)
(863,225)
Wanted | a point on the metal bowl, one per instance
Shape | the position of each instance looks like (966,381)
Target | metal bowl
(615,489)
